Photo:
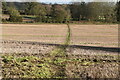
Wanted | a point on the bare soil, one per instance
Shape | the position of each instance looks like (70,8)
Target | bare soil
(39,33)
(25,40)
(80,63)
(95,35)
(89,35)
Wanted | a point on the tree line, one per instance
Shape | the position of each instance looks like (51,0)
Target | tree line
(62,13)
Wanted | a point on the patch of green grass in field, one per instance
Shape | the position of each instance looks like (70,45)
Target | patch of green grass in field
(26,67)
(50,66)
(33,67)
(29,67)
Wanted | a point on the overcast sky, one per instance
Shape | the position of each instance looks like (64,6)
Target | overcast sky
(61,1)
(67,1)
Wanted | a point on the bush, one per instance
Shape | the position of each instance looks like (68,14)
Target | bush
(42,19)
(4,20)
(38,19)
(15,19)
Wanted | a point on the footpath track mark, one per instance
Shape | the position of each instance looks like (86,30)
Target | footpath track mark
(60,54)
(68,35)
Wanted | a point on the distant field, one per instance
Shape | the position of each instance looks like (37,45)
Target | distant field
(91,35)
(95,35)
(40,33)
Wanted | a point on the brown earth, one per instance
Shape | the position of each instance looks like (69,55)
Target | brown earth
(95,35)
(90,35)
(39,33)
(81,62)
(88,62)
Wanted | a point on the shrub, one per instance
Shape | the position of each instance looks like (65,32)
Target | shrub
(15,19)
(38,19)
(41,19)
(14,15)
(4,20)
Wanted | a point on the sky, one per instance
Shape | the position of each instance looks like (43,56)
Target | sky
(60,1)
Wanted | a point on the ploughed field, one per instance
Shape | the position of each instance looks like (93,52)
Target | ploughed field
(39,33)
(22,59)
(95,35)
(90,35)
(48,51)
